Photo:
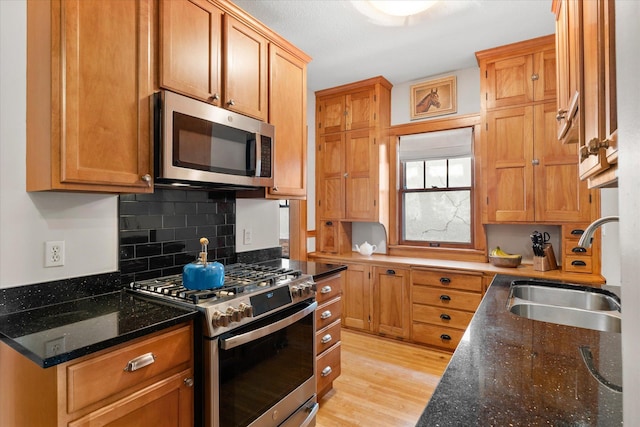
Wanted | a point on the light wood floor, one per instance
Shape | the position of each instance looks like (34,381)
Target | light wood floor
(382,383)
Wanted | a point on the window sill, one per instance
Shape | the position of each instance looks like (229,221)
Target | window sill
(471,255)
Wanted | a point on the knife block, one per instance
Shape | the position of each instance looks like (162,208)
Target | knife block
(546,262)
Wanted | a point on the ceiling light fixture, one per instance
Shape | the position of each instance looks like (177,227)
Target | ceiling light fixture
(401,7)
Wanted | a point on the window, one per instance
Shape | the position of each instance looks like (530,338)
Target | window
(436,191)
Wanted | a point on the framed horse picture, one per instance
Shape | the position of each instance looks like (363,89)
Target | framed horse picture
(433,98)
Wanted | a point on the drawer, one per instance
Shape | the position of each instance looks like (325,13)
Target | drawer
(97,378)
(447,279)
(577,264)
(328,367)
(441,316)
(328,313)
(327,336)
(437,336)
(572,248)
(447,298)
(573,232)
(328,288)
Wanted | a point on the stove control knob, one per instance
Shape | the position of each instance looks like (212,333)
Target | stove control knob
(296,291)
(245,309)
(307,288)
(234,314)
(219,319)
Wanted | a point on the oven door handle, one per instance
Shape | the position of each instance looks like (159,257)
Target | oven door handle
(237,340)
(313,411)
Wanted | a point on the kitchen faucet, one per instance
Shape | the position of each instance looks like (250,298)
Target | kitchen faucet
(587,236)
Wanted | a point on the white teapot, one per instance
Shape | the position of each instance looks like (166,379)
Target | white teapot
(366,249)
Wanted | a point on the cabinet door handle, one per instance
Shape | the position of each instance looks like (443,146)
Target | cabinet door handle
(391,272)
(577,232)
(578,263)
(325,339)
(535,77)
(188,382)
(325,314)
(326,371)
(328,223)
(535,162)
(445,316)
(231,102)
(325,289)
(146,178)
(445,280)
(445,337)
(445,298)
(579,249)
(561,115)
(140,362)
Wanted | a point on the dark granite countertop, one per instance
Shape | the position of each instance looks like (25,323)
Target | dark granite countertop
(317,269)
(509,370)
(56,333)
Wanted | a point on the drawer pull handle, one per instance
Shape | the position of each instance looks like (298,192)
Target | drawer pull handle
(445,280)
(579,249)
(391,272)
(577,232)
(445,337)
(325,339)
(326,371)
(325,314)
(328,223)
(445,316)
(140,362)
(325,289)
(445,298)
(578,263)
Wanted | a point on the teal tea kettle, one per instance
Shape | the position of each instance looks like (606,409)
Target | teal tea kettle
(200,274)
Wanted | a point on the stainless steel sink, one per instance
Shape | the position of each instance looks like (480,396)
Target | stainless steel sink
(565,304)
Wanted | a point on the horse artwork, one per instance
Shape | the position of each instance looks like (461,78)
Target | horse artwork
(430,99)
(433,98)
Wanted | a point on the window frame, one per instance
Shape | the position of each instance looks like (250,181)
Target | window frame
(477,251)
(402,191)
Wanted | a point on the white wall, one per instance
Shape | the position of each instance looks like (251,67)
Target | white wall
(87,223)
(262,217)
(628,68)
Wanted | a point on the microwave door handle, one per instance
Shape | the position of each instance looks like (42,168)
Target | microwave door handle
(235,341)
(258,154)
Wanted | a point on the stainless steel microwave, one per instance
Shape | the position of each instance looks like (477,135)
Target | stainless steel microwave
(199,144)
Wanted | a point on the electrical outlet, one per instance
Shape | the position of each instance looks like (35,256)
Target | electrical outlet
(54,347)
(247,236)
(54,254)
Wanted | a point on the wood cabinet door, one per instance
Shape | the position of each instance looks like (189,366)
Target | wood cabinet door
(328,237)
(361,184)
(608,52)
(331,114)
(360,109)
(560,196)
(330,186)
(190,48)
(101,97)
(288,112)
(356,297)
(168,402)
(509,81)
(544,75)
(509,165)
(245,77)
(391,302)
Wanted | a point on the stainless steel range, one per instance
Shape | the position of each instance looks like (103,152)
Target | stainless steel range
(258,347)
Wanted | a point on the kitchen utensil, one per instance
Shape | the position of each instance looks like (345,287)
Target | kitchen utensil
(366,249)
(202,274)
(539,240)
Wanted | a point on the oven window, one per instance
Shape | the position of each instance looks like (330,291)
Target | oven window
(203,145)
(257,375)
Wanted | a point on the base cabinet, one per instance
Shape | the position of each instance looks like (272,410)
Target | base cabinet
(391,302)
(95,390)
(443,303)
(328,315)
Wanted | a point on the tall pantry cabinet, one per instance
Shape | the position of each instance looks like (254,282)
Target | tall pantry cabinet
(352,165)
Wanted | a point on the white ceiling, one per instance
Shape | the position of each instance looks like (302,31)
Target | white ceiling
(347,46)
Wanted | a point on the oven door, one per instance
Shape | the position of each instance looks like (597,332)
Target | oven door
(263,373)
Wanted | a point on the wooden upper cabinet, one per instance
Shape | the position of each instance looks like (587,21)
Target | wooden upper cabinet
(210,55)
(520,75)
(348,110)
(191,53)
(361,177)
(245,76)
(288,113)
(89,78)
(569,68)
(599,147)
